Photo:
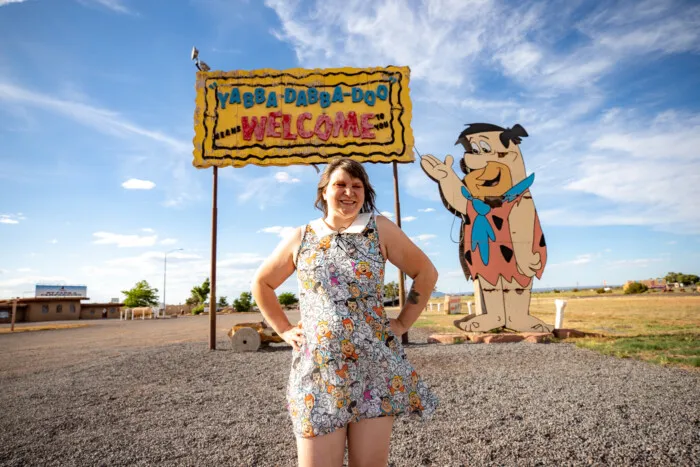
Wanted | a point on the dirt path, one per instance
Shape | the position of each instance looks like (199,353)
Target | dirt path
(41,350)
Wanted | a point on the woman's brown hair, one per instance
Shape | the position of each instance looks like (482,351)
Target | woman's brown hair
(355,170)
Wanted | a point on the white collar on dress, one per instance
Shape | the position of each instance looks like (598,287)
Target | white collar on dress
(357,226)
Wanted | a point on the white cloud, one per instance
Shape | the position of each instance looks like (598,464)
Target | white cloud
(268,190)
(11,218)
(148,230)
(423,237)
(241,259)
(124,241)
(168,241)
(533,44)
(388,214)
(184,186)
(426,210)
(633,263)
(24,270)
(151,260)
(282,232)
(185,269)
(431,39)
(7,2)
(643,170)
(103,120)
(53,241)
(28,282)
(578,261)
(408,218)
(136,184)
(114,5)
(284,177)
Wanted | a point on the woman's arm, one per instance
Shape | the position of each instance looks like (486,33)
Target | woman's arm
(272,273)
(405,255)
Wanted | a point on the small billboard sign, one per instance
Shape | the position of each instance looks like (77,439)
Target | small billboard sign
(78,291)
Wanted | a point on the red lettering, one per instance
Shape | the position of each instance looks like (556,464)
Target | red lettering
(286,121)
(273,125)
(367,126)
(351,125)
(254,127)
(338,124)
(300,125)
(325,121)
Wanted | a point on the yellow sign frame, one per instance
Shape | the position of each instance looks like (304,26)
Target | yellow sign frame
(238,121)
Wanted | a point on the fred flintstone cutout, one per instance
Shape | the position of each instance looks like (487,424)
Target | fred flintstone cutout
(501,245)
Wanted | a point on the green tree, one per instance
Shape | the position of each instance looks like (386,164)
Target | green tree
(244,302)
(391,290)
(636,287)
(671,277)
(141,294)
(287,299)
(687,279)
(223,302)
(199,293)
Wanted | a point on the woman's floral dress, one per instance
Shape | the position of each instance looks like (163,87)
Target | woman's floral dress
(352,366)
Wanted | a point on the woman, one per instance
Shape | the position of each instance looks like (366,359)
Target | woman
(350,376)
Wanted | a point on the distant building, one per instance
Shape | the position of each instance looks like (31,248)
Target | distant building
(57,308)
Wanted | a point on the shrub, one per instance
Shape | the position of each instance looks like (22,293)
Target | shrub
(600,290)
(574,289)
(556,291)
(198,309)
(244,302)
(636,287)
(287,299)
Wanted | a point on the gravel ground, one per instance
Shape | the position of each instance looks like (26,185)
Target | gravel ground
(501,404)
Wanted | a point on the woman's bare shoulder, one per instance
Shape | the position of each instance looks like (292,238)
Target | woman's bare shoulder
(385,225)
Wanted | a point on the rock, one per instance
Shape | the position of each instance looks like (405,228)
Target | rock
(476,337)
(266,333)
(245,339)
(567,333)
(451,338)
(502,338)
(538,337)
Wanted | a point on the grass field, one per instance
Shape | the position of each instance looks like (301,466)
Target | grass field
(662,328)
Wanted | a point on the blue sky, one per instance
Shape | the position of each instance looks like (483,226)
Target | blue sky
(96,126)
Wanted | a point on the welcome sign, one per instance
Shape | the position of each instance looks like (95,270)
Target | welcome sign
(300,116)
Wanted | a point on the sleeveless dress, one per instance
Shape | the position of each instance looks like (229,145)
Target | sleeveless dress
(351,366)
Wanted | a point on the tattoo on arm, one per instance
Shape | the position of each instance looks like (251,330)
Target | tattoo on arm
(413,296)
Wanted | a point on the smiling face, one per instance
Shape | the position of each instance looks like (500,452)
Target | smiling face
(323,328)
(344,195)
(492,180)
(493,168)
(347,347)
(363,267)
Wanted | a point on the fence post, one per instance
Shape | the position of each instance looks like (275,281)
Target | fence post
(561,306)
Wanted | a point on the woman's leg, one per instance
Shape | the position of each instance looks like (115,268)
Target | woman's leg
(368,442)
(325,450)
